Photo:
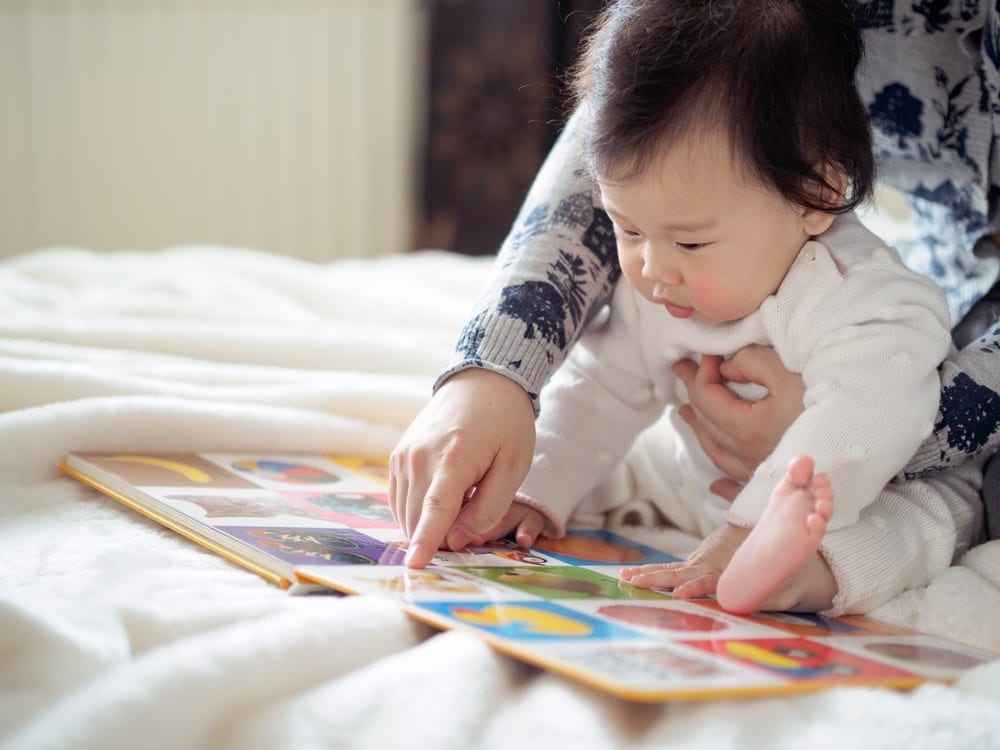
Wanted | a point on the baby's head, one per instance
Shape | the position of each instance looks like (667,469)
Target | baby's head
(723,135)
(776,77)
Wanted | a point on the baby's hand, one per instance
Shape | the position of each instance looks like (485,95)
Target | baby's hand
(522,520)
(696,576)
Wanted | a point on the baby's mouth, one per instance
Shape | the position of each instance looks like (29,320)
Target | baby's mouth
(678,311)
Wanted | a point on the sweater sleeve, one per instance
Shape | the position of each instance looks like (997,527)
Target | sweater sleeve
(968,418)
(556,268)
(868,343)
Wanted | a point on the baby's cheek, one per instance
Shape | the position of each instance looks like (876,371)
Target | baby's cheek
(720,302)
(704,294)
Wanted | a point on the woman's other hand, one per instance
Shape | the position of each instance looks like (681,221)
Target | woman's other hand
(738,434)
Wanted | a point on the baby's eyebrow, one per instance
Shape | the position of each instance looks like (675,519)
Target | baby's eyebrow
(689,226)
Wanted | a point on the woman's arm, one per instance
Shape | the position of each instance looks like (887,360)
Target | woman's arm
(968,421)
(555,269)
(557,266)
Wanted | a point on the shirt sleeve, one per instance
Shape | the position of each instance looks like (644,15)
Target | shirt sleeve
(555,270)
(867,342)
(968,419)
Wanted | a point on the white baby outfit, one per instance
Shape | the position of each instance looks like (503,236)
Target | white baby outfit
(866,334)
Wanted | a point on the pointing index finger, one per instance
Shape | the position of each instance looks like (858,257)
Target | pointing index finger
(439,507)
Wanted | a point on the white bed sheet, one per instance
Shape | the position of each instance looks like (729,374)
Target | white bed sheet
(117,633)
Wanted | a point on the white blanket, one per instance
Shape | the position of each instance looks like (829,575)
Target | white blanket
(117,633)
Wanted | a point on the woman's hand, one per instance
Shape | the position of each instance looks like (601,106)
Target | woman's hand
(453,475)
(738,434)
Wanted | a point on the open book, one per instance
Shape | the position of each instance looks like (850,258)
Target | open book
(304,522)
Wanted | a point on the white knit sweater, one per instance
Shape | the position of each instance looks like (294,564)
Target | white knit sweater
(866,333)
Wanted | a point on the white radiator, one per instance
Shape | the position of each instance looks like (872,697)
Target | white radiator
(282,125)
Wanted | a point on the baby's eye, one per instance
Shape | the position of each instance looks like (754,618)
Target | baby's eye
(626,232)
(690,245)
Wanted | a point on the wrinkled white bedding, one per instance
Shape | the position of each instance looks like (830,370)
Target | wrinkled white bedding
(117,633)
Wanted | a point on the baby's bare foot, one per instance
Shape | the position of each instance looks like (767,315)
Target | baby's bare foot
(789,531)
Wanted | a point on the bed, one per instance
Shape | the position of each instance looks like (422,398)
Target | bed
(117,633)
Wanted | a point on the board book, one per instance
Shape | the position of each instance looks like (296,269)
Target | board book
(305,522)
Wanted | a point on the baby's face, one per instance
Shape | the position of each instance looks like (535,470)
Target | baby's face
(698,237)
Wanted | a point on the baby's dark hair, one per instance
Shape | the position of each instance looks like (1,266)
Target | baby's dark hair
(777,75)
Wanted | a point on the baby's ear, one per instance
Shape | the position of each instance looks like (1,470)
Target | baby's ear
(814,220)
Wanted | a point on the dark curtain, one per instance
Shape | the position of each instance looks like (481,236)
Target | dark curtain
(496,103)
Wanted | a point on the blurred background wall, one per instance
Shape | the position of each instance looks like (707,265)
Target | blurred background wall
(315,128)
(496,103)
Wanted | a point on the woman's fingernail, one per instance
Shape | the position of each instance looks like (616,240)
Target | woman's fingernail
(414,551)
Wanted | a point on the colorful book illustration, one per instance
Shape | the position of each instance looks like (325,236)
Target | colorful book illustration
(310,523)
